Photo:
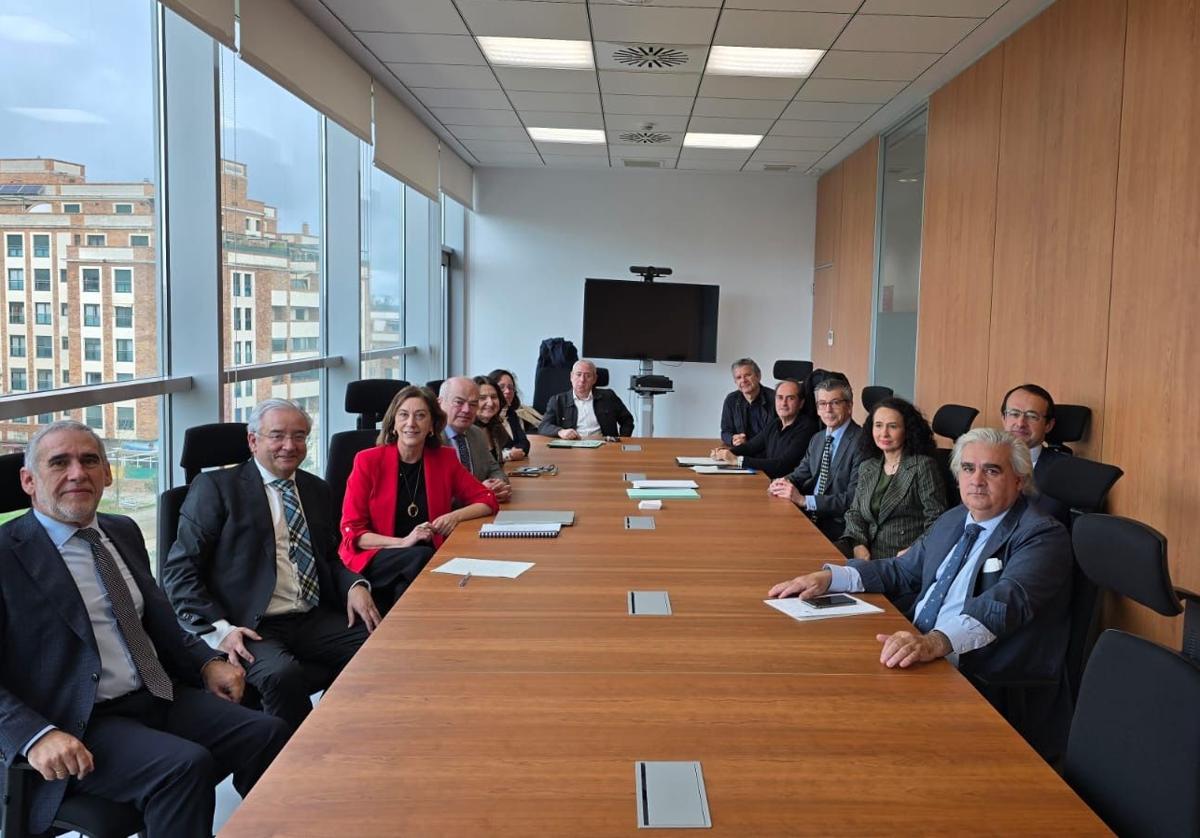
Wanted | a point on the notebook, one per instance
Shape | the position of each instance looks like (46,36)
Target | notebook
(663,494)
(575,443)
(536,516)
(722,470)
(519,530)
(665,484)
(688,462)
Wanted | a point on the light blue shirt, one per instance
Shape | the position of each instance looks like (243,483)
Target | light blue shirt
(810,502)
(964,632)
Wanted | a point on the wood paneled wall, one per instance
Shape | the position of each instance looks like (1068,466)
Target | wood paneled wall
(1061,244)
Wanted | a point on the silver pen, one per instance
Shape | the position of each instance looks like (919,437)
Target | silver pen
(462,583)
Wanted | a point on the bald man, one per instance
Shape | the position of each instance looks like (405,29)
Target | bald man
(586,410)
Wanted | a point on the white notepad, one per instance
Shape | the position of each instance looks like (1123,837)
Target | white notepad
(566,517)
(665,484)
(699,461)
(798,609)
(484,567)
(722,470)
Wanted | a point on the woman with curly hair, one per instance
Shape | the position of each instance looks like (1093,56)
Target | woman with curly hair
(900,492)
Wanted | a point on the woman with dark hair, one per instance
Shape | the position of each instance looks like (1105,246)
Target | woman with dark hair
(401,497)
(899,493)
(488,418)
(517,446)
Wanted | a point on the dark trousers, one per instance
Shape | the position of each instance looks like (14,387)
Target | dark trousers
(392,570)
(298,655)
(165,757)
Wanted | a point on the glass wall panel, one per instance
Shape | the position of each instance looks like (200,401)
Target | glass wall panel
(382,271)
(302,387)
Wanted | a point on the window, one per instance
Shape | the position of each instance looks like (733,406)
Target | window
(124,349)
(248,355)
(41,279)
(16,245)
(237,284)
(123,317)
(45,418)
(123,209)
(19,381)
(279,344)
(125,418)
(62,274)
(91,378)
(90,278)
(299,314)
(45,379)
(237,318)
(71,209)
(41,314)
(91,314)
(299,284)
(16,279)
(96,239)
(246,284)
(124,376)
(41,246)
(16,346)
(304,344)
(122,280)
(382,265)
(139,240)
(66,376)
(63,311)
(237,352)
(43,346)
(91,350)
(279,313)
(246,319)
(16,313)
(65,343)
(93,417)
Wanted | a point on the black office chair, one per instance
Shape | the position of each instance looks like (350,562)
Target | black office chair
(369,398)
(796,370)
(547,382)
(951,421)
(435,385)
(873,395)
(91,816)
(1070,425)
(601,376)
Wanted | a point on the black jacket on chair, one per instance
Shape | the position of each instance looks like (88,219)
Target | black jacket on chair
(614,418)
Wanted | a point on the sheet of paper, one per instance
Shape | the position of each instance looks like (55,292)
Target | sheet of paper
(722,470)
(798,609)
(698,461)
(662,494)
(665,484)
(483,567)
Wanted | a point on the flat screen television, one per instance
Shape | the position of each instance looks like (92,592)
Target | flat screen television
(657,321)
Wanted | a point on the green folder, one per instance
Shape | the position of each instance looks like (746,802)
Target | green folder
(663,494)
(575,443)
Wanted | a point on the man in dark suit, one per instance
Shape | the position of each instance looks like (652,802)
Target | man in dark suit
(823,484)
(1028,414)
(99,686)
(255,570)
(992,579)
(585,410)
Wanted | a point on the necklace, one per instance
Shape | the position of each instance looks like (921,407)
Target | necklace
(412,511)
(891,468)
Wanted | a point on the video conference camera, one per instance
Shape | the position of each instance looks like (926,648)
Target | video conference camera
(648,272)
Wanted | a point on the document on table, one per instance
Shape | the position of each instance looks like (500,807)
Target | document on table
(662,494)
(575,443)
(722,470)
(665,484)
(798,609)
(484,567)
(698,461)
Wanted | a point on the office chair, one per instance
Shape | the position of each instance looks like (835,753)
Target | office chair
(91,816)
(951,421)
(369,398)
(601,376)
(797,370)
(435,385)
(1070,425)
(873,395)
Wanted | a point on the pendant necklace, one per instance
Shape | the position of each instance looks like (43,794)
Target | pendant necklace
(412,509)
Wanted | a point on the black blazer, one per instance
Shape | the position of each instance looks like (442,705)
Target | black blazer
(222,565)
(49,662)
(614,418)
(843,478)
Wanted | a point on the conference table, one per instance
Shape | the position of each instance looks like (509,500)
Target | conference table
(519,707)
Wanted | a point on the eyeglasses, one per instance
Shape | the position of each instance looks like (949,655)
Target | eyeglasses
(830,403)
(279,436)
(1030,415)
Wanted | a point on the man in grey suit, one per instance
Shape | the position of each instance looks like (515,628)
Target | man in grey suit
(993,584)
(459,397)
(823,484)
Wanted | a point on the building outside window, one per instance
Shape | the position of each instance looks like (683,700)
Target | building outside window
(71,209)
(45,379)
(122,280)
(43,347)
(123,209)
(91,314)
(19,380)
(16,313)
(66,343)
(137,240)
(41,247)
(63,310)
(16,346)
(91,279)
(91,351)
(91,378)
(125,417)
(16,279)
(123,316)
(16,245)
(124,349)
(96,239)
(41,314)
(41,279)
(94,417)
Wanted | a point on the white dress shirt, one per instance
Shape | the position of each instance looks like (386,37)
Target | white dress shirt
(586,423)
(810,502)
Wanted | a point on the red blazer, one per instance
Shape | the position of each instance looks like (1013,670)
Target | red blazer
(370,504)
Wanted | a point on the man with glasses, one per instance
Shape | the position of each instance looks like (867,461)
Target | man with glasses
(459,397)
(1028,414)
(823,484)
(255,570)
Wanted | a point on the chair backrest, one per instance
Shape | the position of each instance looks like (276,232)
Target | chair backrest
(601,376)
(547,382)
(12,496)
(369,398)
(873,395)
(343,446)
(212,445)
(798,370)
(1070,424)
(1134,749)
(1081,484)
(953,420)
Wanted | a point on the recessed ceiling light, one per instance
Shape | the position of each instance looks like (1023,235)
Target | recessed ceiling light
(538,52)
(694,140)
(566,135)
(758,61)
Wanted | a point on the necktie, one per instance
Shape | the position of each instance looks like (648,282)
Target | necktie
(145,660)
(300,549)
(464,453)
(927,619)
(826,459)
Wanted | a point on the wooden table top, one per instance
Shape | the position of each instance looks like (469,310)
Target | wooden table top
(518,707)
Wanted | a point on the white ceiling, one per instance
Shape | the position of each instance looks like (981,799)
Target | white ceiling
(883,59)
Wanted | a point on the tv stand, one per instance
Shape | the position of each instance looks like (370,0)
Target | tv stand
(647,385)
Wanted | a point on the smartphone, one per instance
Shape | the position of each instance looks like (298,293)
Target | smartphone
(831,601)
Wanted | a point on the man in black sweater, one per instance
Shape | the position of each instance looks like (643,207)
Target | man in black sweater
(779,447)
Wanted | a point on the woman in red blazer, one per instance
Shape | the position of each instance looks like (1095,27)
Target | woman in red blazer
(401,495)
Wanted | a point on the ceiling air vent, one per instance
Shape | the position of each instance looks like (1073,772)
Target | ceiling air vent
(645,137)
(777,167)
(642,164)
(650,57)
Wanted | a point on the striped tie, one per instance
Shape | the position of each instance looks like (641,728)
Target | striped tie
(145,660)
(826,460)
(300,549)
(464,453)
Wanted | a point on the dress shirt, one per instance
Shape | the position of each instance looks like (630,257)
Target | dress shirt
(586,423)
(964,632)
(1034,451)
(450,435)
(810,503)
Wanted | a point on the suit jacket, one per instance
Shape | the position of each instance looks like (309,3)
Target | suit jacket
(483,462)
(911,503)
(370,504)
(1044,503)
(49,662)
(843,478)
(614,418)
(222,565)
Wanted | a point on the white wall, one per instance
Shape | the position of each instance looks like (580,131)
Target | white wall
(536,234)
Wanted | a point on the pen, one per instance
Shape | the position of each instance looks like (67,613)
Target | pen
(462,583)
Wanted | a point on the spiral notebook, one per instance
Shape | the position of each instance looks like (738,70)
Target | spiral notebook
(519,530)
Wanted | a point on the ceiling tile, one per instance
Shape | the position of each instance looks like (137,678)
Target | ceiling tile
(815,144)
(485,148)
(659,122)
(895,66)
(520,160)
(555,161)
(832,111)
(808,30)
(525,100)
(473,116)
(786,156)
(653,25)
(562,119)
(547,81)
(648,152)
(655,58)
(648,105)
(739,154)
(429,16)
(947,8)
(749,87)
(749,108)
(845,6)
(710,165)
(691,4)
(432,49)
(721,125)
(801,128)
(525,19)
(445,75)
(488,132)
(437,98)
(573,149)
(905,33)
(649,84)
(849,90)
